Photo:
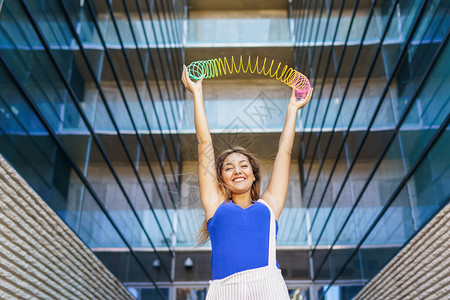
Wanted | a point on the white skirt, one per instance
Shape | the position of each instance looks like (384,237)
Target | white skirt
(264,283)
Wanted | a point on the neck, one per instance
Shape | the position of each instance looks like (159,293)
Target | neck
(243,200)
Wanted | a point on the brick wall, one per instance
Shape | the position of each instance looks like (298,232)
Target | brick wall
(421,270)
(40,256)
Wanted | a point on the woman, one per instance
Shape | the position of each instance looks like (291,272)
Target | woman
(241,224)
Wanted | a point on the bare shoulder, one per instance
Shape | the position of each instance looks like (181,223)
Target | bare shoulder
(211,207)
(273,204)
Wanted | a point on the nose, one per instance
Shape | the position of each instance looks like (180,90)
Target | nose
(237,170)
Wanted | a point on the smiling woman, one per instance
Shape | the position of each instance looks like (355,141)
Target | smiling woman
(237,165)
(241,224)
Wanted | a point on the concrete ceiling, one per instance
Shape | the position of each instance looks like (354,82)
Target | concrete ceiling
(237,4)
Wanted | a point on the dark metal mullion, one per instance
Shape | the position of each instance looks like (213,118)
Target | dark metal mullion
(299,32)
(149,9)
(145,115)
(179,53)
(51,28)
(32,140)
(297,21)
(175,32)
(372,66)
(341,59)
(162,19)
(380,102)
(179,16)
(152,62)
(69,64)
(298,56)
(325,77)
(138,136)
(179,62)
(163,73)
(301,36)
(159,90)
(150,93)
(110,114)
(311,31)
(165,24)
(177,91)
(149,52)
(423,57)
(77,105)
(318,66)
(303,33)
(180,42)
(311,59)
(75,167)
(355,60)
(440,110)
(36,82)
(417,163)
(149,90)
(32,51)
(304,37)
(168,12)
(300,6)
(59,27)
(388,144)
(24,157)
(291,15)
(432,39)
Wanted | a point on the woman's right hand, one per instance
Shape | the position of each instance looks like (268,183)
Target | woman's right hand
(193,87)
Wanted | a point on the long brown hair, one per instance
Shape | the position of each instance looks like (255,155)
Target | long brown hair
(202,233)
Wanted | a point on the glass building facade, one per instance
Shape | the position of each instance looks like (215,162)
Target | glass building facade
(90,116)
(94,117)
(375,138)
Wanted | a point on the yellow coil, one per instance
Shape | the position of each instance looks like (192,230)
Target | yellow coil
(220,66)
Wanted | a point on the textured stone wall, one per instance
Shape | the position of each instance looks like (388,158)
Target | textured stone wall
(421,270)
(40,256)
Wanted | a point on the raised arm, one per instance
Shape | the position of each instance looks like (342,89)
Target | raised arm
(210,192)
(276,192)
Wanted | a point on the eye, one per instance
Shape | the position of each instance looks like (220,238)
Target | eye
(244,166)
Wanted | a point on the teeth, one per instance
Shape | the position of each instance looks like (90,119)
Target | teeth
(239,179)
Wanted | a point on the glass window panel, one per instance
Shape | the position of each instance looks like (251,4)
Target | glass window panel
(429,185)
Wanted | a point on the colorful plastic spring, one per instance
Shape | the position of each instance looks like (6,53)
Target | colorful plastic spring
(217,67)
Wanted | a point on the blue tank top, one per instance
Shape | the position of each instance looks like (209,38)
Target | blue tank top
(240,238)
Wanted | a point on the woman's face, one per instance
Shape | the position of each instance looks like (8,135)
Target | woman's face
(237,173)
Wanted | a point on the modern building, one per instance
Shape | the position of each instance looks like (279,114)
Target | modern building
(94,117)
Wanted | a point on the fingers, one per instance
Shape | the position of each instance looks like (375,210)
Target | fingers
(293,93)
(307,98)
(182,73)
(187,79)
(184,76)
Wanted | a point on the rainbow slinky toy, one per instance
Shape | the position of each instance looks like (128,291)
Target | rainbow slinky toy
(217,67)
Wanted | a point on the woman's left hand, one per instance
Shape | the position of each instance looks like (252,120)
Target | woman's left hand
(298,104)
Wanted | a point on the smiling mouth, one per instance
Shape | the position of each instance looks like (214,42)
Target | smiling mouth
(239,179)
